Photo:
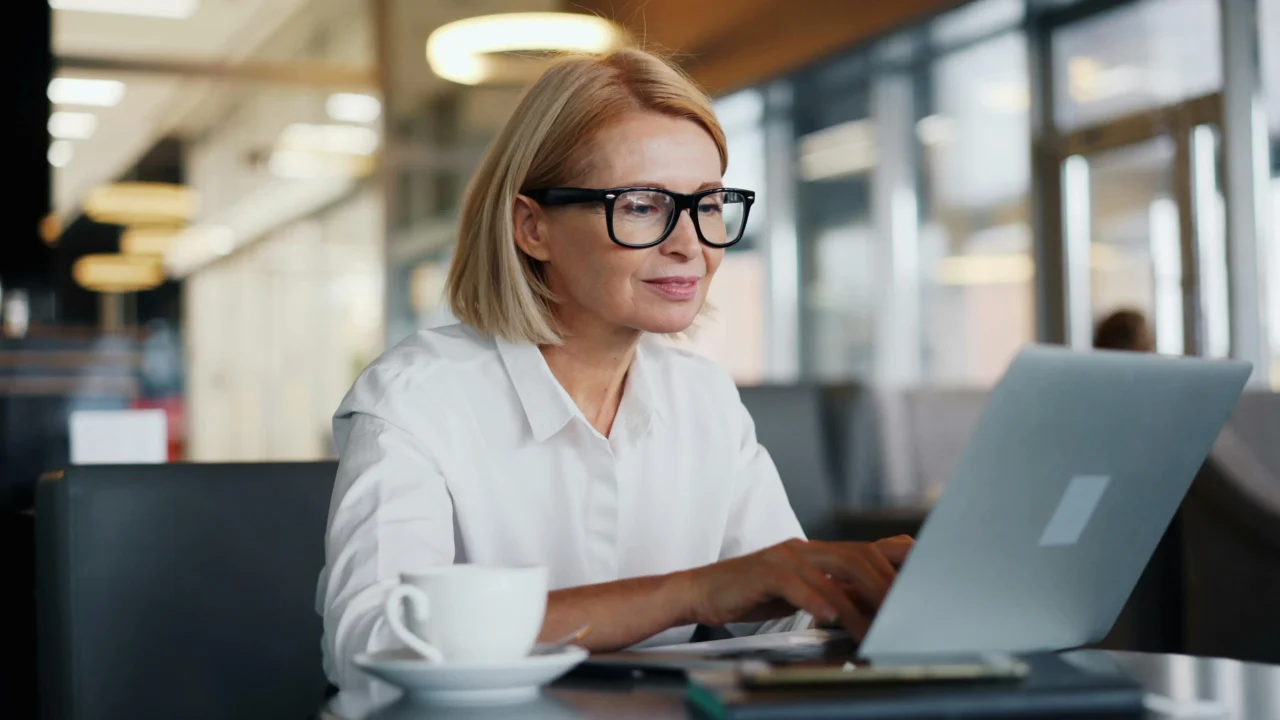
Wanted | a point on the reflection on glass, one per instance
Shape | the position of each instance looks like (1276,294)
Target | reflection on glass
(975,239)
(1138,56)
(976,20)
(1269,48)
(836,156)
(1211,236)
(1133,237)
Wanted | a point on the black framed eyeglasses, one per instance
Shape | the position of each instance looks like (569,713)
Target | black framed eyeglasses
(642,217)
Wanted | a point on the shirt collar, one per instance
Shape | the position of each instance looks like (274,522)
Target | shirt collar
(547,405)
(640,396)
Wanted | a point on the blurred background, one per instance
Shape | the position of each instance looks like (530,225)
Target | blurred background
(222,210)
(226,208)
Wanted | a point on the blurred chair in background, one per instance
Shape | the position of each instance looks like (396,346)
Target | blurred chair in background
(180,590)
(789,424)
(1231,539)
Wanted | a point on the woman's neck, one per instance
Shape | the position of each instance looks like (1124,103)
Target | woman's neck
(592,368)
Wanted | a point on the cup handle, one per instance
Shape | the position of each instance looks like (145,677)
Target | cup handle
(420,606)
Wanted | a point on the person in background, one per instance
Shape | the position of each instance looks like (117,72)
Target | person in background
(555,425)
(1124,330)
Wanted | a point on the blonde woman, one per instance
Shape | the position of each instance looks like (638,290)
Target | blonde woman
(554,426)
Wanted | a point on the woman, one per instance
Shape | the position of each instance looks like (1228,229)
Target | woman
(554,425)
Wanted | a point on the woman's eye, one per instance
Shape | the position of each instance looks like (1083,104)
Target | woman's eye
(640,210)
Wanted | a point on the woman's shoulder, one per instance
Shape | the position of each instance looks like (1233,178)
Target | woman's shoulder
(425,361)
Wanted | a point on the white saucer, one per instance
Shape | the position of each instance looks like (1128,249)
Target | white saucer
(469,684)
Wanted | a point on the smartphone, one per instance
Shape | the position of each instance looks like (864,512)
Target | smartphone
(987,666)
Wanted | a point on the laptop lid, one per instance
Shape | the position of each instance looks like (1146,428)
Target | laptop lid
(1075,470)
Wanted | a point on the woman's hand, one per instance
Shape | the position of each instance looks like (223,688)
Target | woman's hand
(839,583)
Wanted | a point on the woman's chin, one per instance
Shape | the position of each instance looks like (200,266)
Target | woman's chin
(667,324)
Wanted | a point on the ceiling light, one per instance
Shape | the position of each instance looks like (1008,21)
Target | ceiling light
(147,240)
(936,130)
(85,91)
(141,204)
(173,9)
(458,51)
(303,165)
(1006,98)
(198,246)
(842,150)
(1004,269)
(50,229)
(66,125)
(353,107)
(104,272)
(60,153)
(335,139)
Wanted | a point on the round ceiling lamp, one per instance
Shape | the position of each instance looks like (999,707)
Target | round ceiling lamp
(110,273)
(146,240)
(50,229)
(469,51)
(142,203)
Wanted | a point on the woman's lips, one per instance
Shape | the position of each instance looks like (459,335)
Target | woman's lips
(675,288)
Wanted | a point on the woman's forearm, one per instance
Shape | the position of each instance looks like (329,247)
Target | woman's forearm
(620,613)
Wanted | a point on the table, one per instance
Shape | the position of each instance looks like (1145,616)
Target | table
(1179,686)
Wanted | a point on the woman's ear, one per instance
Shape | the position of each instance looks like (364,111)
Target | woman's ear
(526,219)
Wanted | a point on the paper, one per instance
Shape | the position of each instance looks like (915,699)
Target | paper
(106,437)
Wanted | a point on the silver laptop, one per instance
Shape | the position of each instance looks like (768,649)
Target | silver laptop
(1074,471)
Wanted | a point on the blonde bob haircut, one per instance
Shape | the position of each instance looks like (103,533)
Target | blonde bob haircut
(493,286)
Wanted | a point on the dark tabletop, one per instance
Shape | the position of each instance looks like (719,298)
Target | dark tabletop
(1178,686)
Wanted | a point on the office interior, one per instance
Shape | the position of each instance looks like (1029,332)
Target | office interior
(225,209)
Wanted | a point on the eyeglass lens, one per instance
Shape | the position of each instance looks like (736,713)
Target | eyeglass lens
(641,217)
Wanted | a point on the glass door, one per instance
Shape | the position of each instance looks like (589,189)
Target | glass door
(1144,229)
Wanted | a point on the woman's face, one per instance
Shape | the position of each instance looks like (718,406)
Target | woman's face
(602,285)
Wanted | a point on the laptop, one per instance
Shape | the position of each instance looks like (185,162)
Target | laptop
(1074,471)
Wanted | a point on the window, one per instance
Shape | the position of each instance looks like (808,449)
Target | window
(1269,41)
(836,151)
(977,271)
(1138,56)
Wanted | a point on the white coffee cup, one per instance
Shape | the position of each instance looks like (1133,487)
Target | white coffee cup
(469,613)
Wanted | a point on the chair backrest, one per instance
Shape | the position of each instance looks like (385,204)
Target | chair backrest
(926,431)
(169,591)
(852,424)
(1231,539)
(789,424)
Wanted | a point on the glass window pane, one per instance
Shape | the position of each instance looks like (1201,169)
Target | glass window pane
(1269,41)
(975,255)
(976,20)
(836,154)
(1139,56)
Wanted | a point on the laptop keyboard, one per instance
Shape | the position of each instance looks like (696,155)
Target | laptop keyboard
(824,652)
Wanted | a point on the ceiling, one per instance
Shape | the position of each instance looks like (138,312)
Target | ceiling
(152,104)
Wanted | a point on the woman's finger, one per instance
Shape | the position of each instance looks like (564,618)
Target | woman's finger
(849,566)
(805,581)
(896,548)
(879,561)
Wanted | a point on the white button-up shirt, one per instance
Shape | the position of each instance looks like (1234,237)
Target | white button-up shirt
(456,447)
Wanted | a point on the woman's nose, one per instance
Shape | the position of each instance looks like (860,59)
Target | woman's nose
(684,237)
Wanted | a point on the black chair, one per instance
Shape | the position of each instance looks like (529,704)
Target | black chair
(789,424)
(1231,539)
(181,591)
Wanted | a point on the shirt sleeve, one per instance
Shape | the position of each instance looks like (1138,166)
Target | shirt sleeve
(760,516)
(390,513)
